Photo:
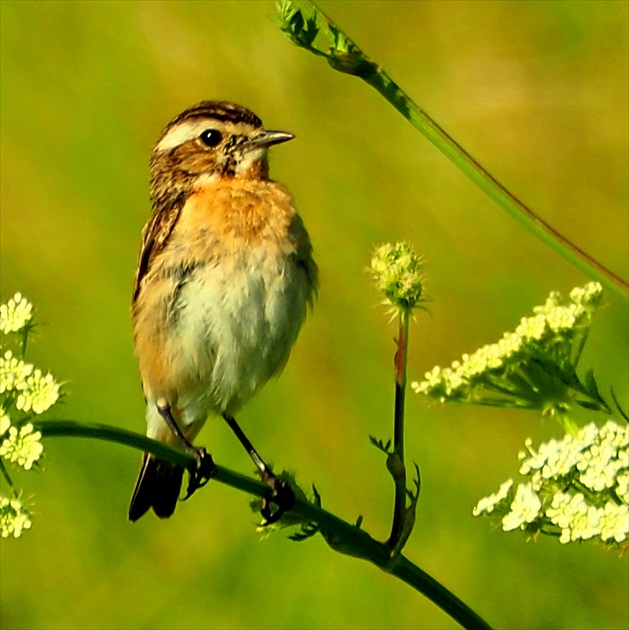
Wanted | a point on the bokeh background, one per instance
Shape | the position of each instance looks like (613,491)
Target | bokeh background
(536,91)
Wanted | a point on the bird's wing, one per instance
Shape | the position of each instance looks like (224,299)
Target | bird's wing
(154,238)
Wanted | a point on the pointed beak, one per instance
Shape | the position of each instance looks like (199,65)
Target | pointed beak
(267,138)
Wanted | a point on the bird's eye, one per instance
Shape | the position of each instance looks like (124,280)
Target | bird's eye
(211,137)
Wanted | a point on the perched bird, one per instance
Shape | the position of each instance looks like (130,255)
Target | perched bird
(224,279)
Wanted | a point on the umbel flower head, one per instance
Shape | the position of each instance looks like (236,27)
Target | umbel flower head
(16,314)
(396,270)
(14,517)
(577,488)
(532,367)
(28,387)
(21,446)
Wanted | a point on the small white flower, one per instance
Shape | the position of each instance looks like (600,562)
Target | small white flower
(525,508)
(601,471)
(533,460)
(622,487)
(615,522)
(532,327)
(37,392)
(615,435)
(589,296)
(454,381)
(432,379)
(22,446)
(14,517)
(574,516)
(487,504)
(13,372)
(604,456)
(554,299)
(560,511)
(586,524)
(15,314)
(564,514)
(554,458)
(561,456)
(589,433)
(510,343)
(561,318)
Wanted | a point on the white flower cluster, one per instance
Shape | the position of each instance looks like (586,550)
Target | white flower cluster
(24,391)
(595,457)
(14,517)
(579,520)
(487,504)
(578,488)
(33,390)
(15,314)
(525,508)
(13,371)
(21,446)
(552,324)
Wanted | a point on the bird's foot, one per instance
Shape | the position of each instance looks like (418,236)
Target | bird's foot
(280,495)
(201,472)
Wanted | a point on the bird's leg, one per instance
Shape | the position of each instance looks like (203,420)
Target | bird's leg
(281,494)
(204,468)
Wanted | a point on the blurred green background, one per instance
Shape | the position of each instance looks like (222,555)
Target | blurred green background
(536,91)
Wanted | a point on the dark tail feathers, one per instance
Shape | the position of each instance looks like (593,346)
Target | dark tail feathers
(157,487)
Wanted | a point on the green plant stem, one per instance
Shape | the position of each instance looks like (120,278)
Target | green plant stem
(70,428)
(351,60)
(472,169)
(396,463)
(340,535)
(7,478)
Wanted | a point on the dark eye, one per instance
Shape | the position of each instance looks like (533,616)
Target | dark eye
(211,137)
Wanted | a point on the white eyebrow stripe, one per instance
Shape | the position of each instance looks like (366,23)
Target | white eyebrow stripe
(183,132)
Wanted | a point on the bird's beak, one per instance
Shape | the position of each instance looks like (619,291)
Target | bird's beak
(268,138)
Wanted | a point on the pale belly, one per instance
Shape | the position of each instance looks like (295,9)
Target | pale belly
(231,329)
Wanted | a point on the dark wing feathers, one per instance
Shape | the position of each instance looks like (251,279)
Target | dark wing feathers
(154,238)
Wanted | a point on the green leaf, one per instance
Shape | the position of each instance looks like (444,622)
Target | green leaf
(308,530)
(311,31)
(380,445)
(316,499)
(296,22)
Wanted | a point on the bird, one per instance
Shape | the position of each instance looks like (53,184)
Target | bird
(225,279)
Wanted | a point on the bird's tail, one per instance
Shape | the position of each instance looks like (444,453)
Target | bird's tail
(157,487)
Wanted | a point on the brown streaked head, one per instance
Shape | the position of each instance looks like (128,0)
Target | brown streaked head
(218,110)
(210,140)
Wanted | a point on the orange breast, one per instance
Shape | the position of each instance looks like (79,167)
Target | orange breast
(237,214)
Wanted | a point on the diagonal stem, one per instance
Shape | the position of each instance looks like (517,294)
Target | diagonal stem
(490,185)
(345,56)
(7,478)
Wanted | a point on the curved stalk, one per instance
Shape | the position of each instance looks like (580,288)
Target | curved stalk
(340,535)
